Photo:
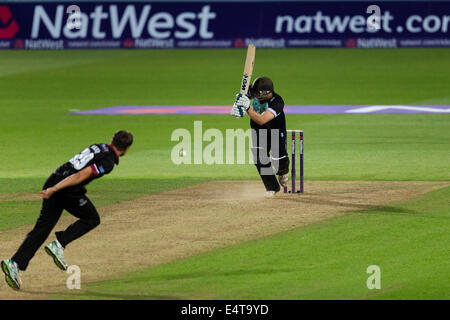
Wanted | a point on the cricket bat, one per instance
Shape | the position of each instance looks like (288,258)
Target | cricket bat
(248,69)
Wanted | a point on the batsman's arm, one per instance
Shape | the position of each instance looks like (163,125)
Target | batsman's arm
(262,118)
(70,181)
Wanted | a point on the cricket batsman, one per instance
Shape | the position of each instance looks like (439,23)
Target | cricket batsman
(267,121)
(65,189)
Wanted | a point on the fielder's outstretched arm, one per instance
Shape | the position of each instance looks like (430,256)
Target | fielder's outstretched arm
(70,181)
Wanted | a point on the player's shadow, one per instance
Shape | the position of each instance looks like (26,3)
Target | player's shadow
(354,207)
(89,295)
(118,296)
(203,274)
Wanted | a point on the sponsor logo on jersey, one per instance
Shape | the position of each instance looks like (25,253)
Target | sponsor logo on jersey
(95,148)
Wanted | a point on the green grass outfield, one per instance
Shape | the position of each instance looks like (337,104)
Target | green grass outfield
(37,133)
(321,261)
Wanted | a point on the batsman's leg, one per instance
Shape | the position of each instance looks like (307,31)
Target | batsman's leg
(283,171)
(264,167)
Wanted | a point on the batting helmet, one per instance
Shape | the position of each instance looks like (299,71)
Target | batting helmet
(262,86)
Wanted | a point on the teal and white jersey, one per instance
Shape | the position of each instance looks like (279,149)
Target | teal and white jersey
(258,107)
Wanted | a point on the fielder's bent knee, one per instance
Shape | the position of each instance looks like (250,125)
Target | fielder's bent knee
(94,222)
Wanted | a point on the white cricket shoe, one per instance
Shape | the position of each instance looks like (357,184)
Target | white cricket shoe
(11,270)
(270,193)
(56,251)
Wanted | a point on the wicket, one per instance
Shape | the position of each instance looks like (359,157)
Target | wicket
(293,173)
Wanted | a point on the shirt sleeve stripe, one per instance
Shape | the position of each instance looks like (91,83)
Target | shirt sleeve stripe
(94,170)
(273,111)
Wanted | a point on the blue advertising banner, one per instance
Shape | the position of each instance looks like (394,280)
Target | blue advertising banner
(352,24)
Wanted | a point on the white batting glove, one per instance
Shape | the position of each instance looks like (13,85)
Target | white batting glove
(242,101)
(236,111)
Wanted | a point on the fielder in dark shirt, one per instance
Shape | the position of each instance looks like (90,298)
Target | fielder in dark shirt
(101,158)
(65,189)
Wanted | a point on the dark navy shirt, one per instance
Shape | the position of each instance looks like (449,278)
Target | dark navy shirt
(274,105)
(100,157)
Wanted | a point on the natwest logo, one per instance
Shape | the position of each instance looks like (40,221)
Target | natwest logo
(7,28)
(136,21)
